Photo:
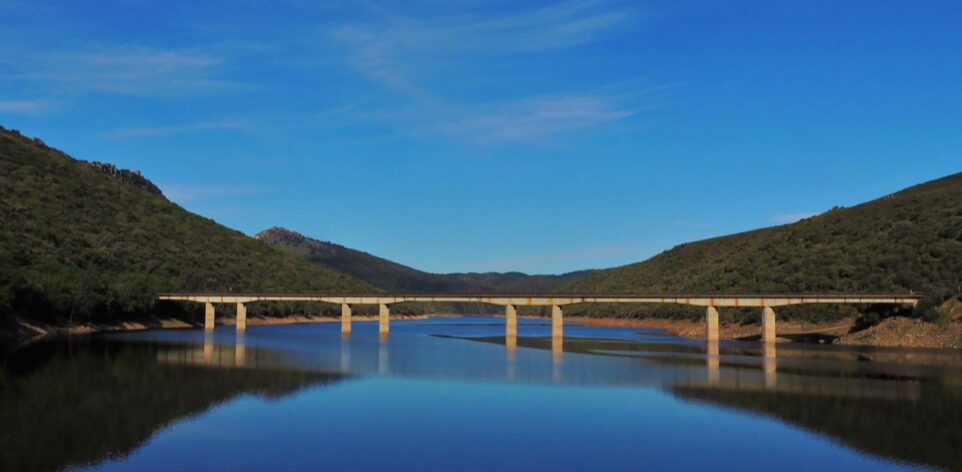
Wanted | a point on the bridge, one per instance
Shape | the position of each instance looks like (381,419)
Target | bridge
(511,302)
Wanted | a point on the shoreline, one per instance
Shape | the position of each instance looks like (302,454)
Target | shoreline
(891,332)
(696,329)
(900,332)
(25,331)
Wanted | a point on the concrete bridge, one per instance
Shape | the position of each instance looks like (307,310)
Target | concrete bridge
(766,303)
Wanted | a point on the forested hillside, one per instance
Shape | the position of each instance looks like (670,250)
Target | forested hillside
(909,241)
(83,241)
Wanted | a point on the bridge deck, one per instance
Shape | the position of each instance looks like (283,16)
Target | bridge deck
(750,300)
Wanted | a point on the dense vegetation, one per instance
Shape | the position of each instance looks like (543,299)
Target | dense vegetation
(910,241)
(89,242)
(395,277)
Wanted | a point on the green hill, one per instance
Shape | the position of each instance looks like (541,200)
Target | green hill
(395,277)
(83,241)
(906,241)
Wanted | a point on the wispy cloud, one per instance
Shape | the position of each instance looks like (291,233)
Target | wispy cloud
(189,128)
(791,217)
(533,119)
(241,124)
(409,55)
(124,70)
(195,193)
(395,49)
(26,107)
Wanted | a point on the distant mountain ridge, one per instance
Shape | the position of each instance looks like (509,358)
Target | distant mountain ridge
(396,277)
(908,241)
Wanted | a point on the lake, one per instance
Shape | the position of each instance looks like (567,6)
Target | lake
(454,394)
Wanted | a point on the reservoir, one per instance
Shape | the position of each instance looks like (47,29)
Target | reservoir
(456,394)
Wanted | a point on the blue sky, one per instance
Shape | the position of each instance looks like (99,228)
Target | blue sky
(476,136)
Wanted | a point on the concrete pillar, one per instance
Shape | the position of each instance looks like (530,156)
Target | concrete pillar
(345,318)
(241,317)
(209,316)
(768,325)
(510,321)
(557,322)
(384,315)
(711,324)
(511,334)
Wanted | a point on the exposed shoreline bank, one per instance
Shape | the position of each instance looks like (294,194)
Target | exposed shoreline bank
(24,330)
(892,332)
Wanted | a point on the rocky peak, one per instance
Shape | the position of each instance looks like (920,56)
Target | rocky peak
(277,235)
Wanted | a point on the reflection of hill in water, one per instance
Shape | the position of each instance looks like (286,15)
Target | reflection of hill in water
(95,401)
(906,407)
(897,404)
(926,430)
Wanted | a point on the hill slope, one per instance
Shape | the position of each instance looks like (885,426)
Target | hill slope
(395,277)
(87,241)
(907,241)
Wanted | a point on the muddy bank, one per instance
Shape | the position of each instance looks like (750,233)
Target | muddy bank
(787,330)
(21,329)
(891,332)
(894,332)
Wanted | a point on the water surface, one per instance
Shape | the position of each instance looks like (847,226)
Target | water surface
(454,394)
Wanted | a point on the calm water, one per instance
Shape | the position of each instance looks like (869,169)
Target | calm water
(452,394)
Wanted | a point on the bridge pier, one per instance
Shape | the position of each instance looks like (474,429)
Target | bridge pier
(209,316)
(510,321)
(384,316)
(768,325)
(345,318)
(557,322)
(711,324)
(241,323)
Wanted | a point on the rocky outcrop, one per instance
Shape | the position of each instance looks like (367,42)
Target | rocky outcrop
(278,235)
(131,177)
(951,310)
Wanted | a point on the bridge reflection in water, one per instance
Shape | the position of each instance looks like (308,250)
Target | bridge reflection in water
(727,366)
(849,393)
(769,365)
